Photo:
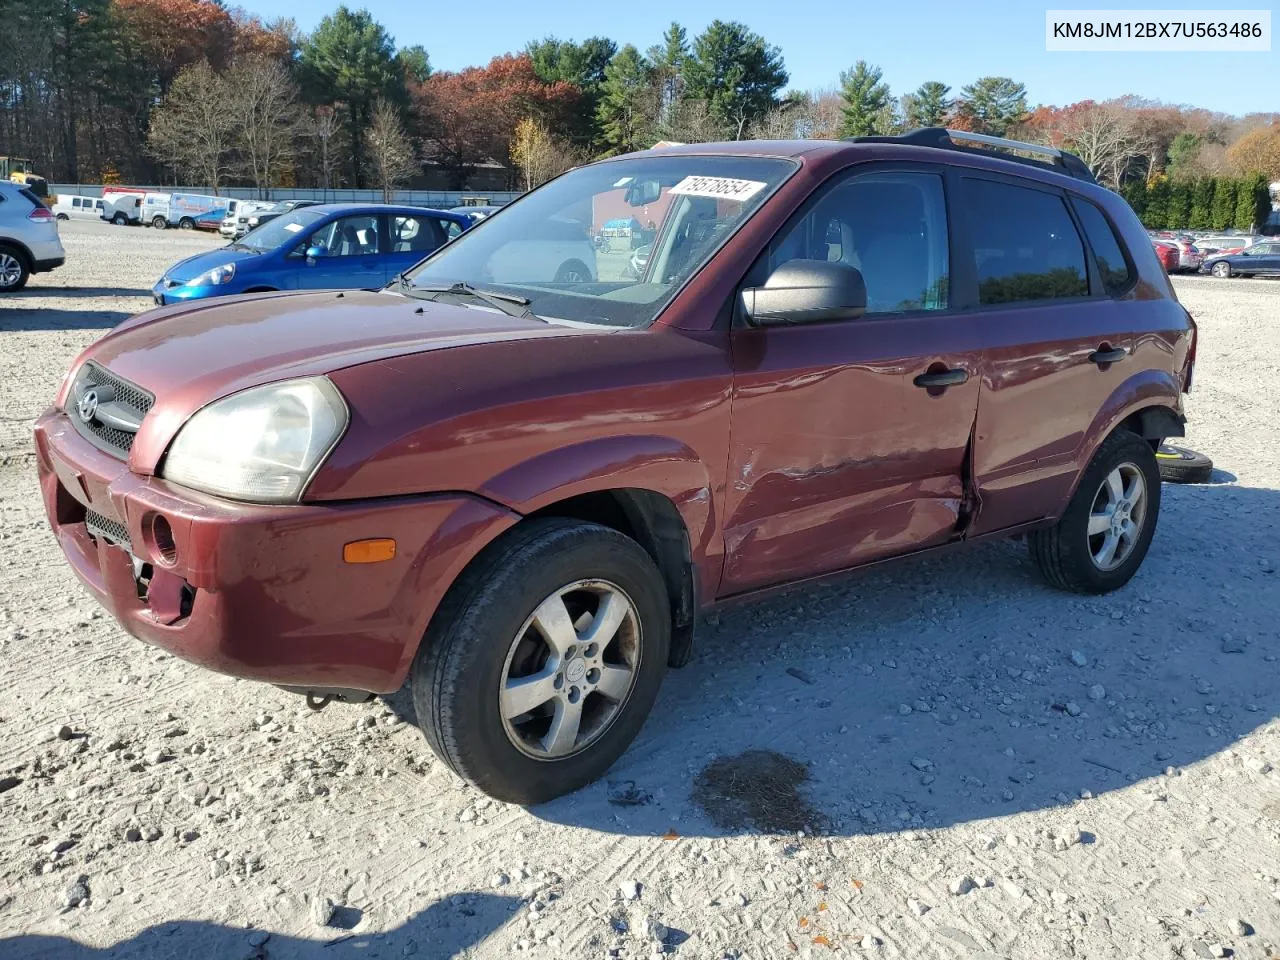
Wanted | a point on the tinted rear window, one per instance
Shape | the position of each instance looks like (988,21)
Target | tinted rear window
(1112,265)
(1025,244)
(35,201)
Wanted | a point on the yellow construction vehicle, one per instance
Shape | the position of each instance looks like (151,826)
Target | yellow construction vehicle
(19,170)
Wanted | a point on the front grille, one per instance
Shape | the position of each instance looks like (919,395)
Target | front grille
(128,403)
(103,528)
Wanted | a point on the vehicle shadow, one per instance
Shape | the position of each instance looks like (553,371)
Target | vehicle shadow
(447,928)
(947,690)
(20,318)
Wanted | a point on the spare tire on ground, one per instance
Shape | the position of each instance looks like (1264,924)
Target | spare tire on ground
(1180,465)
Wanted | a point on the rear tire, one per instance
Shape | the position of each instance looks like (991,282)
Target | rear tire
(159,223)
(1221,270)
(63,216)
(1117,504)
(573,271)
(119,219)
(473,676)
(14,269)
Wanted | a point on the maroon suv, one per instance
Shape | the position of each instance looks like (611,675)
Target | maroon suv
(519,491)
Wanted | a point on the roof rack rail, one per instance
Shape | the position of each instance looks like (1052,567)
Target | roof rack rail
(943,138)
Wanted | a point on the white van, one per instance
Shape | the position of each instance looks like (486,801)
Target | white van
(78,208)
(155,210)
(122,208)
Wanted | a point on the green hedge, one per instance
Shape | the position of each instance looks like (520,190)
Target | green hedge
(1209,203)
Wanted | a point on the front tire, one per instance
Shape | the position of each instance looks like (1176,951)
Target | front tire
(1221,270)
(159,223)
(544,660)
(573,271)
(186,223)
(1101,538)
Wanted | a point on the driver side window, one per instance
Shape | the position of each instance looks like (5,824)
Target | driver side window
(891,226)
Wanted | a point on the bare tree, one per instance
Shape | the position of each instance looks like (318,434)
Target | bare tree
(193,131)
(691,122)
(390,148)
(822,115)
(778,124)
(265,106)
(324,124)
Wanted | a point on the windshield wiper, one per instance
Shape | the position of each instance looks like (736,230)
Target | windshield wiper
(243,246)
(510,304)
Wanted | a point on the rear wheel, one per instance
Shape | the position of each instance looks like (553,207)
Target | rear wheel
(541,665)
(1102,537)
(14,270)
(573,271)
(119,219)
(1221,270)
(159,223)
(63,216)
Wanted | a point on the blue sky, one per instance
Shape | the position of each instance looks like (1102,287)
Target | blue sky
(915,41)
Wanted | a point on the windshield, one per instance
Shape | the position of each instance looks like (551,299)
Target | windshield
(569,247)
(275,232)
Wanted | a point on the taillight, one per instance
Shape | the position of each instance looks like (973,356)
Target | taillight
(40,214)
(1191,355)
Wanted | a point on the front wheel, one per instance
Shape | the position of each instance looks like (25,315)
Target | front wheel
(573,271)
(63,216)
(544,660)
(1101,538)
(1221,270)
(186,223)
(159,223)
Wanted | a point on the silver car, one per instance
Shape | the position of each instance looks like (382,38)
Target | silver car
(28,237)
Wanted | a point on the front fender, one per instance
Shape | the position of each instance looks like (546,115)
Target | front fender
(645,461)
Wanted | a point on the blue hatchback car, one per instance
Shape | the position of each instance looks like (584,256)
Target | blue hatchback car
(331,246)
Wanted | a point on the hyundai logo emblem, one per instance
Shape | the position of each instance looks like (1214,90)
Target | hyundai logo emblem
(88,405)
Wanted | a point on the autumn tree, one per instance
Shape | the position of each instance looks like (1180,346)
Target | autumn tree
(539,155)
(390,149)
(192,130)
(1257,152)
(820,115)
(171,35)
(583,65)
(351,59)
(736,73)
(865,98)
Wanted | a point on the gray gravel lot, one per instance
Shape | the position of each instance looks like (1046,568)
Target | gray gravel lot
(995,769)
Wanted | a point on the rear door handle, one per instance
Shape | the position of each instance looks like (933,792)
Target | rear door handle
(1102,357)
(945,378)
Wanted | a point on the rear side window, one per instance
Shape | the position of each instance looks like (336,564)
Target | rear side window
(35,201)
(1114,269)
(1025,244)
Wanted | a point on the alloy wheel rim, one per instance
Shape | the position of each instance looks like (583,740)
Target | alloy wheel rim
(10,270)
(1117,517)
(570,670)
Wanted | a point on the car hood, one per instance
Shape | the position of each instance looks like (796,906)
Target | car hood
(192,267)
(193,354)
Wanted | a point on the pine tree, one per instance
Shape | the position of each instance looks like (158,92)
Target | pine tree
(1201,204)
(865,100)
(928,106)
(1253,203)
(1135,193)
(1157,206)
(737,73)
(1178,213)
(1224,203)
(628,105)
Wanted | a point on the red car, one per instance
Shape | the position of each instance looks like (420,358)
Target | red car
(1169,255)
(520,495)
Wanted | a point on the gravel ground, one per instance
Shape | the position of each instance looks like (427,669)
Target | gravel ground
(939,760)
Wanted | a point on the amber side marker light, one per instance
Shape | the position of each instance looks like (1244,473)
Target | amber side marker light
(369,551)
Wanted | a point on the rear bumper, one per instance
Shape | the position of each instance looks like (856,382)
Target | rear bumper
(43,266)
(260,592)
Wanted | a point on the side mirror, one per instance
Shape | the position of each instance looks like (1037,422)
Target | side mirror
(641,193)
(314,253)
(806,291)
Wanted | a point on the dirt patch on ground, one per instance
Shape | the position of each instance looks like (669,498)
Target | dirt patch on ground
(759,789)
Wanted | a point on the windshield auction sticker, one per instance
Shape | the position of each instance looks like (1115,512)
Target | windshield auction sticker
(722,188)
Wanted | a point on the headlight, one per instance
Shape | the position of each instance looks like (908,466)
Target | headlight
(214,277)
(260,445)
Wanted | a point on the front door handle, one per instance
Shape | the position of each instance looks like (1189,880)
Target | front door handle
(943,378)
(1103,357)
